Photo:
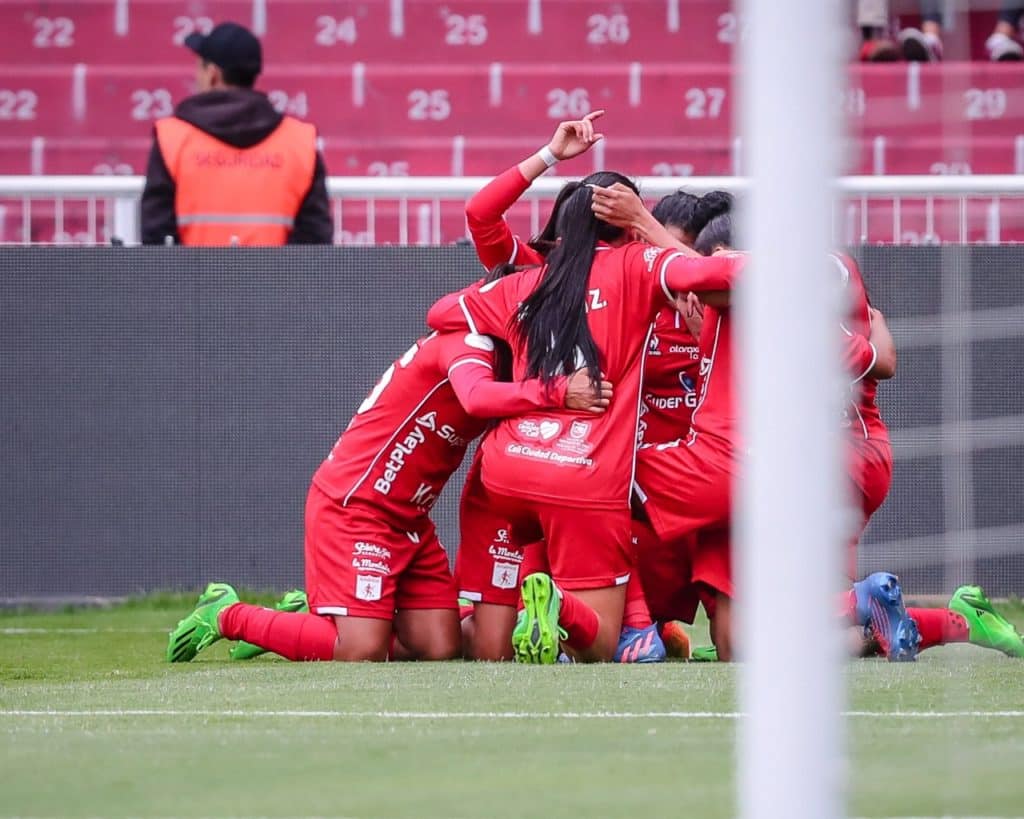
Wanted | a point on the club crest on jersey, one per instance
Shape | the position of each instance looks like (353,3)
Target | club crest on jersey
(576,442)
(529,429)
(549,429)
(688,384)
(368,587)
(650,255)
(579,429)
(505,575)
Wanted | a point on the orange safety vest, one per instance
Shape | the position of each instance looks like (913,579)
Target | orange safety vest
(246,196)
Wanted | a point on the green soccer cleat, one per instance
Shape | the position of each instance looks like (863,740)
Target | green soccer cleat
(294,600)
(537,633)
(988,628)
(704,654)
(200,629)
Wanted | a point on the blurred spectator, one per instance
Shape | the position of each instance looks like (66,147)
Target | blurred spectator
(916,44)
(229,169)
(1003,45)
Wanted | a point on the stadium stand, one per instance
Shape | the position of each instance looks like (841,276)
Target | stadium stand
(84,82)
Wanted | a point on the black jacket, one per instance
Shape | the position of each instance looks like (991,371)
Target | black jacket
(242,118)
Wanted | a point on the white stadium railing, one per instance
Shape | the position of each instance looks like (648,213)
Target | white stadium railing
(108,206)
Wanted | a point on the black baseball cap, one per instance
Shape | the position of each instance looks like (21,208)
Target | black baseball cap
(229,47)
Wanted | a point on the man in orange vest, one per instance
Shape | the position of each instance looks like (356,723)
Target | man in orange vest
(227,169)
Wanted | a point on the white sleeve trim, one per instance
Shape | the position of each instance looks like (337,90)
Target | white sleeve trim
(515,250)
(468,315)
(871,366)
(661,276)
(462,361)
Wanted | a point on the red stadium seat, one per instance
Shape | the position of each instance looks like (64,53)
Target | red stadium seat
(40,101)
(961,99)
(16,157)
(407,157)
(935,155)
(111,32)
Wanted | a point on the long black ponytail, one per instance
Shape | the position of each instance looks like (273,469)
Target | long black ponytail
(552,322)
(545,241)
(502,352)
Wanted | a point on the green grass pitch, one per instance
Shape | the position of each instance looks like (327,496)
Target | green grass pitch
(95,723)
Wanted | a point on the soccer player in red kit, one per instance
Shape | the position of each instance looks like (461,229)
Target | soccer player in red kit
(669,392)
(374,564)
(558,475)
(871,355)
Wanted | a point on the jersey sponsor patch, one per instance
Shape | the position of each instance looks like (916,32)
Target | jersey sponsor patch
(505,575)
(529,429)
(368,587)
(549,429)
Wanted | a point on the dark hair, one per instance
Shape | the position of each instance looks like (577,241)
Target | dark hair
(545,241)
(676,210)
(552,321)
(238,77)
(716,233)
(502,352)
(708,206)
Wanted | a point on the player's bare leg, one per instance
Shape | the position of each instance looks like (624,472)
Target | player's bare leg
(721,628)
(429,634)
(362,639)
(607,604)
(487,633)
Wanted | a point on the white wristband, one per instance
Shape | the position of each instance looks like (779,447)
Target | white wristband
(547,157)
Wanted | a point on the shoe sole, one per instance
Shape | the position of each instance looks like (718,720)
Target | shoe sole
(184,643)
(900,643)
(538,644)
(976,611)
(179,646)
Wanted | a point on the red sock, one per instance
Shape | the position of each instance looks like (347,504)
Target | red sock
(636,614)
(466,611)
(579,621)
(938,626)
(294,635)
(848,606)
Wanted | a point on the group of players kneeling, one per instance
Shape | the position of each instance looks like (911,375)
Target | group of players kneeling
(576,543)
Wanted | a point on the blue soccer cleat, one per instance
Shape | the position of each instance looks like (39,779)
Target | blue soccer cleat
(640,645)
(881,611)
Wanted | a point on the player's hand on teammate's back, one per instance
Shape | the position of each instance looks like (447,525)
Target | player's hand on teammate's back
(581,395)
(575,137)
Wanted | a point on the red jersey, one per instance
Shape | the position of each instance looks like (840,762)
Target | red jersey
(411,432)
(714,419)
(670,380)
(577,458)
(673,363)
(485,218)
(861,416)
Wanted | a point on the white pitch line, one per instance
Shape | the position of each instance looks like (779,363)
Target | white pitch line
(433,715)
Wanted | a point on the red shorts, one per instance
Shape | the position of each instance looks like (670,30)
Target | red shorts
(360,566)
(488,566)
(712,562)
(586,548)
(665,575)
(870,469)
(685,488)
